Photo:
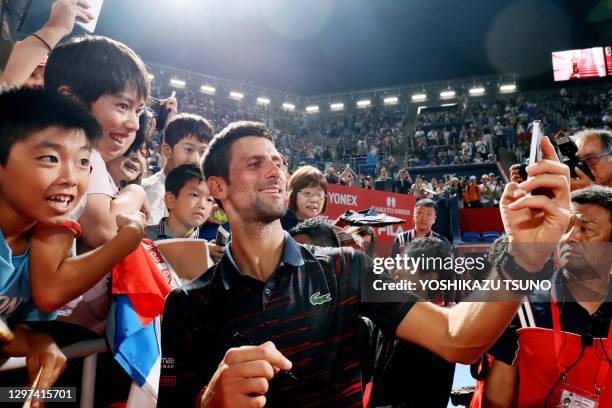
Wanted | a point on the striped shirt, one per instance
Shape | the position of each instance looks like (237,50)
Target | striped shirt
(308,307)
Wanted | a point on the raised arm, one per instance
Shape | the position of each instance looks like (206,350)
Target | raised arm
(534,225)
(27,54)
(99,218)
(56,278)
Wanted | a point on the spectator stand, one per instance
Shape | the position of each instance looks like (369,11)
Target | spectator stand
(464,170)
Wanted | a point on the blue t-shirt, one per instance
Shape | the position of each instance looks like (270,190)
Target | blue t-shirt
(15,292)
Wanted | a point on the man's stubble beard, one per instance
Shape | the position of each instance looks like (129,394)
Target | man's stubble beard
(266,213)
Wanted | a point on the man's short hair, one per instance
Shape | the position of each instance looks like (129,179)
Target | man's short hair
(180,176)
(93,66)
(427,202)
(304,177)
(187,124)
(27,110)
(431,249)
(605,137)
(318,232)
(594,194)
(217,157)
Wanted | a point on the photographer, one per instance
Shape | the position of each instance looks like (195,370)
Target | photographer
(402,182)
(595,149)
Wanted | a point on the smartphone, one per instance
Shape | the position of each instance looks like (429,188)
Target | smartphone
(535,152)
(222,236)
(161,112)
(96,7)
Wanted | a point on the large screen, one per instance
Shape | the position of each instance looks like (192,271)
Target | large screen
(579,64)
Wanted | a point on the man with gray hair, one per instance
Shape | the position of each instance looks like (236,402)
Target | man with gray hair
(595,149)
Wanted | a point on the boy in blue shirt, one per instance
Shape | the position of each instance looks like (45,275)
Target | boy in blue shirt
(45,145)
(45,148)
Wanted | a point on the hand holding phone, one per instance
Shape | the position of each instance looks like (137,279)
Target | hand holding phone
(162,111)
(93,11)
(222,236)
(535,152)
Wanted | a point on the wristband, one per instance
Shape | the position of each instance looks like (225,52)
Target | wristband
(42,41)
(72,225)
(514,271)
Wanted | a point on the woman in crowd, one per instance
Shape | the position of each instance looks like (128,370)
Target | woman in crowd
(307,196)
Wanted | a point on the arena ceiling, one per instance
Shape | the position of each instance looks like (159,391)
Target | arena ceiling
(322,46)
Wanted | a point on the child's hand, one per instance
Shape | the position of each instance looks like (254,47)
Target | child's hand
(6,336)
(64,13)
(135,221)
(44,353)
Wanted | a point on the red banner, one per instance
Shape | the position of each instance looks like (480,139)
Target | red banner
(342,198)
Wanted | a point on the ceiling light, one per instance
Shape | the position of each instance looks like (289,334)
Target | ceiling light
(177,83)
(391,100)
(447,94)
(507,88)
(207,89)
(477,91)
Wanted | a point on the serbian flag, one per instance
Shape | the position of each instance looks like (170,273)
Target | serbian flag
(140,284)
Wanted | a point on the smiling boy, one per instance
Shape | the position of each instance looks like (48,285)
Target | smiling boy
(44,170)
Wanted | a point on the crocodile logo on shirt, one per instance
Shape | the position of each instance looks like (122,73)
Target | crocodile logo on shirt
(318,299)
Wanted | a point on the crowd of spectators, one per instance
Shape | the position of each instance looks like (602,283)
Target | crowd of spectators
(370,148)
